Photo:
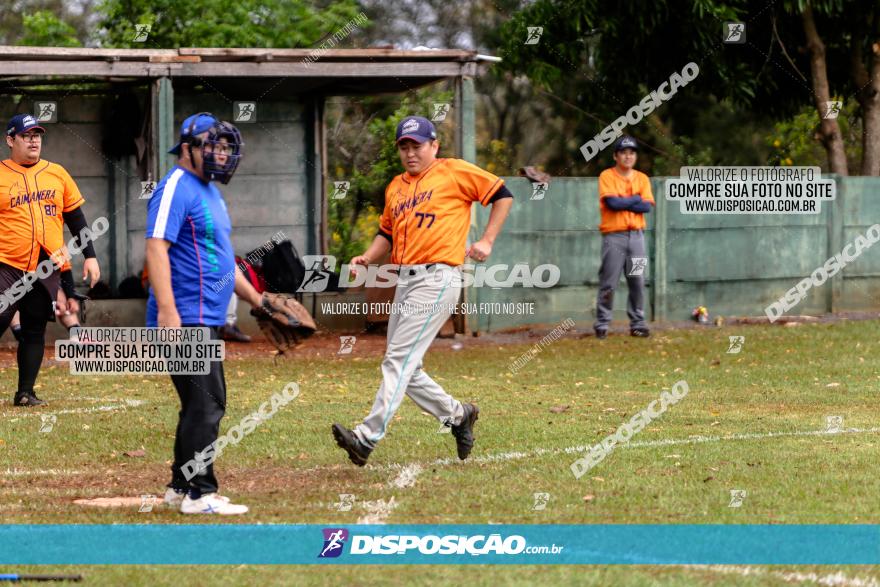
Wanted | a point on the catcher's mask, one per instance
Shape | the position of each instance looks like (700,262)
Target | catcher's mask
(217,130)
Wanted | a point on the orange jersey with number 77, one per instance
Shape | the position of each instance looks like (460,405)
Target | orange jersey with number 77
(32,201)
(428,215)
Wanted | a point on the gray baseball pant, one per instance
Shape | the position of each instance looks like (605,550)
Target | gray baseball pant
(409,336)
(618,250)
(232,311)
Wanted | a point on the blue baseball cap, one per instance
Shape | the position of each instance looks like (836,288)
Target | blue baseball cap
(192,126)
(416,128)
(22,123)
(626,142)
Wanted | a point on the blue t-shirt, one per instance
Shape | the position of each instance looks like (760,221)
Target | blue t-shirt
(191,215)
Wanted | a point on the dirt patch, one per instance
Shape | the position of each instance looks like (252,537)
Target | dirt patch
(122,487)
(369,344)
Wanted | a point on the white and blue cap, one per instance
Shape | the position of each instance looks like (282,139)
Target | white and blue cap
(22,123)
(416,128)
(192,126)
(626,142)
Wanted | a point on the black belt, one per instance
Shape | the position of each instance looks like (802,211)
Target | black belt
(410,271)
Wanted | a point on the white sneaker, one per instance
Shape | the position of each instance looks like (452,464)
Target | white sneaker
(211,503)
(174,497)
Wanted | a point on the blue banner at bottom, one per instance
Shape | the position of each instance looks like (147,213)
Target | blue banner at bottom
(166,544)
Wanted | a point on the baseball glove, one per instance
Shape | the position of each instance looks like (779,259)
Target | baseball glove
(534,174)
(283,320)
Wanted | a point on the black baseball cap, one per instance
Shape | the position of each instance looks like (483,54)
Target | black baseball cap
(626,142)
(22,123)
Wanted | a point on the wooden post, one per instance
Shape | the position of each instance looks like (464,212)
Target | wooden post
(466,146)
(661,220)
(466,118)
(164,133)
(321,129)
(117,187)
(834,213)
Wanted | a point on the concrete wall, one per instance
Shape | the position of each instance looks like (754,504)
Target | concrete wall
(733,264)
(272,189)
(561,229)
(860,284)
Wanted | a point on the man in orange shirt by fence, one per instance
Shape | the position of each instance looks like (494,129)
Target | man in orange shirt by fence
(624,199)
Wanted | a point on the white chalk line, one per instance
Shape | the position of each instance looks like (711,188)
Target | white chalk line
(407,476)
(834,579)
(35,472)
(129,403)
(98,399)
(749,436)
(377,511)
(539,452)
(408,473)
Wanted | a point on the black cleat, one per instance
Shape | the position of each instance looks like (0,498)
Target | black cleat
(357,452)
(640,332)
(601,334)
(27,400)
(464,432)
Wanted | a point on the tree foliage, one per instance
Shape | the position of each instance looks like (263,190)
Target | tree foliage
(361,150)
(793,140)
(207,23)
(44,29)
(54,23)
(600,59)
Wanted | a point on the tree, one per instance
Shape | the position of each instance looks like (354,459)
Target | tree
(207,23)
(43,28)
(793,140)
(361,151)
(512,118)
(841,40)
(47,22)
(864,59)
(606,57)
(829,131)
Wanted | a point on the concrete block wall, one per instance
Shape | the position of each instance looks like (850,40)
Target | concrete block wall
(733,264)
(271,190)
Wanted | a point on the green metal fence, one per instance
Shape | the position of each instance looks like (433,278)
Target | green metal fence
(733,264)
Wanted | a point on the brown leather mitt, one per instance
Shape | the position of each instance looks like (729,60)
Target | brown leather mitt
(283,320)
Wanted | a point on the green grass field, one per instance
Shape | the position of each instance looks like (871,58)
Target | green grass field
(753,421)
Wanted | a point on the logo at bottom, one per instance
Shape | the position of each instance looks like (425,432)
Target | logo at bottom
(334,540)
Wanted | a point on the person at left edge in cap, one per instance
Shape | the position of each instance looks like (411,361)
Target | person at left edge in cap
(39,198)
